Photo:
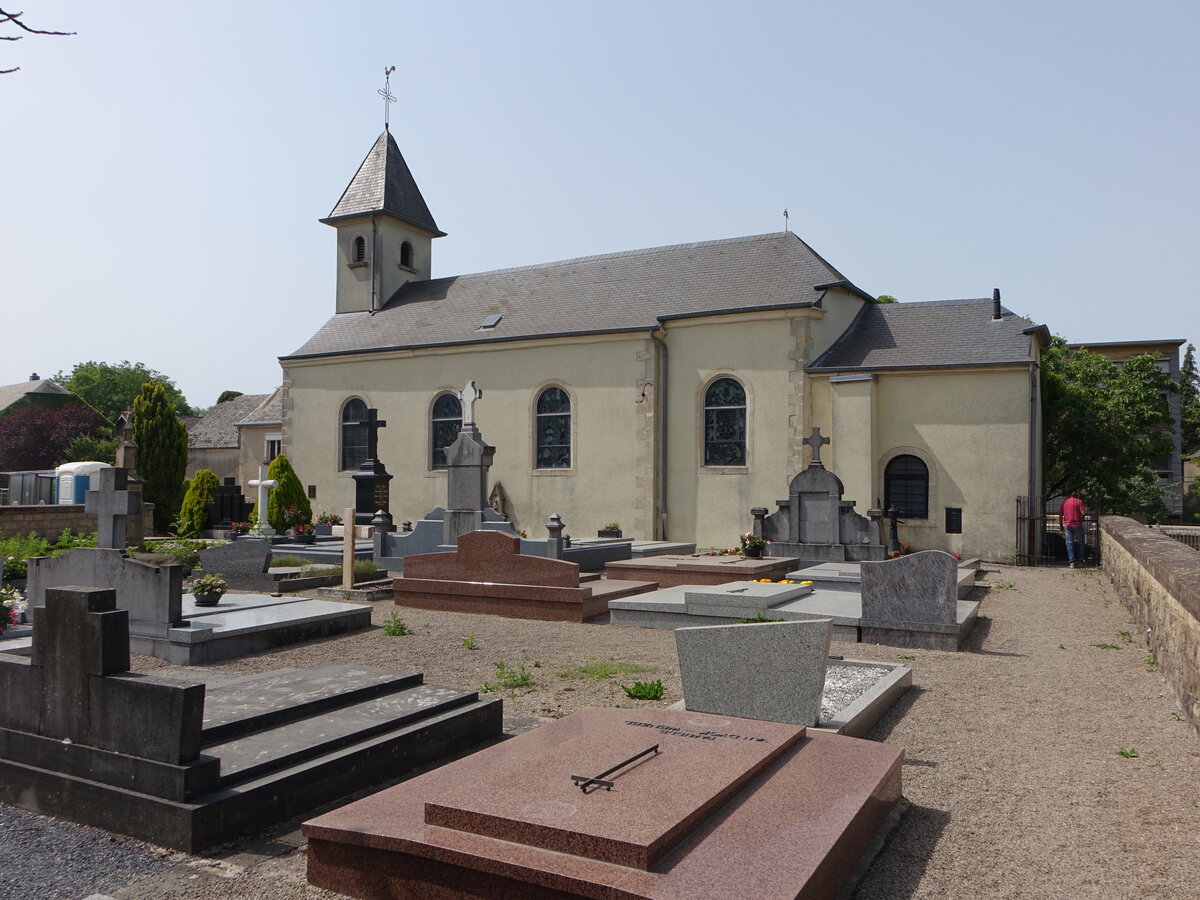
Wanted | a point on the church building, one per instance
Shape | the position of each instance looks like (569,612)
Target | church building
(668,389)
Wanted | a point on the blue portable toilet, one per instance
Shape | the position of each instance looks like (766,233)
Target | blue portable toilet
(74,480)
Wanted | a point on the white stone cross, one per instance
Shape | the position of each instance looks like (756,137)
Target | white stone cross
(468,397)
(264,489)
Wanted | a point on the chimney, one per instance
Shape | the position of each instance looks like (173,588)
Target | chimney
(34,377)
(995,304)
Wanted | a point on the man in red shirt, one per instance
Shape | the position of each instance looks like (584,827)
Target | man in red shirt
(1073,512)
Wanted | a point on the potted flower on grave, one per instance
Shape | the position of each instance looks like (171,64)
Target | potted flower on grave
(610,530)
(209,589)
(325,523)
(753,546)
(304,533)
(12,606)
(236,528)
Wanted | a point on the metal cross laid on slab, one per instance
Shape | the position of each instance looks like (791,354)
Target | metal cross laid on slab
(468,396)
(816,441)
(584,781)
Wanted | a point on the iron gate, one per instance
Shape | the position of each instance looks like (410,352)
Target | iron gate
(1041,540)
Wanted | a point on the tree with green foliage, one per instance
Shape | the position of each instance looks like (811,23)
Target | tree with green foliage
(162,452)
(1189,404)
(228,395)
(1104,427)
(192,514)
(100,446)
(886,298)
(289,493)
(110,388)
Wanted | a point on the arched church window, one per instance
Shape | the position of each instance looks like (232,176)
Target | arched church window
(354,435)
(445,424)
(725,423)
(553,429)
(360,249)
(906,487)
(406,254)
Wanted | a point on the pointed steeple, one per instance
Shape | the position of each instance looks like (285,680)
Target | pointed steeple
(383,184)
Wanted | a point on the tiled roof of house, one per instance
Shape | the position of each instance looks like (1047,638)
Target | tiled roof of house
(218,428)
(927,334)
(594,294)
(384,184)
(11,393)
(269,412)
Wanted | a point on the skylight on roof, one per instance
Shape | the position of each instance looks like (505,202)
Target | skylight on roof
(491,322)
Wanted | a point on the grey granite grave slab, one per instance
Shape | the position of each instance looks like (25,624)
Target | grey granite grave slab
(847,576)
(740,599)
(243,564)
(857,717)
(773,670)
(83,739)
(152,594)
(913,601)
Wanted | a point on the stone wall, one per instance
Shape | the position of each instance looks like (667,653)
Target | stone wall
(1158,580)
(48,521)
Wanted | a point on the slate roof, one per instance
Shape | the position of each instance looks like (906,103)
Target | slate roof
(615,292)
(384,184)
(269,412)
(218,428)
(930,334)
(11,393)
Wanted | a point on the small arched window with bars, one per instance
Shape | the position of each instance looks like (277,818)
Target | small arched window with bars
(360,249)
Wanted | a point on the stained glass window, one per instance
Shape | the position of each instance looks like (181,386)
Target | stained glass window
(553,434)
(725,423)
(906,487)
(446,423)
(354,437)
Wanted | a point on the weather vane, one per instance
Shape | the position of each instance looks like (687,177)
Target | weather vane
(386,94)
(785,219)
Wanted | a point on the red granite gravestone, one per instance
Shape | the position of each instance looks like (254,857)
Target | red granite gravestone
(487,573)
(703,806)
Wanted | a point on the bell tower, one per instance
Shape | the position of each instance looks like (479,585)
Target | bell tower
(385,231)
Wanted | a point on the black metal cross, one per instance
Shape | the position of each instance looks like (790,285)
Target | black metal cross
(586,781)
(372,423)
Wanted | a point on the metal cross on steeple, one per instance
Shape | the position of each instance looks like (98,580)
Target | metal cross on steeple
(386,94)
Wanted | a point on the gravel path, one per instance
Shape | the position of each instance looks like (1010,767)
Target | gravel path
(1012,769)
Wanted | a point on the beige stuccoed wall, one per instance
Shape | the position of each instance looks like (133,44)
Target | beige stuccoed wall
(970,427)
(354,281)
(603,376)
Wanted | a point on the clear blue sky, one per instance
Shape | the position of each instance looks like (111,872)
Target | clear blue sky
(164,170)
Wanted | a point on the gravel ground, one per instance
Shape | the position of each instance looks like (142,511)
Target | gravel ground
(1012,769)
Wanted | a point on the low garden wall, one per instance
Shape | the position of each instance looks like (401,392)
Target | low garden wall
(1158,580)
(48,521)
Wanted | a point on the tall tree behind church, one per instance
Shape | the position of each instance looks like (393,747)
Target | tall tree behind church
(1106,426)
(1189,404)
(162,452)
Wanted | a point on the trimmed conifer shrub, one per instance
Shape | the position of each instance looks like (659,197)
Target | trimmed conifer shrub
(162,452)
(192,515)
(289,493)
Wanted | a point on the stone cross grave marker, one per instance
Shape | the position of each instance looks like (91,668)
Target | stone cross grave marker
(264,486)
(816,440)
(468,396)
(112,504)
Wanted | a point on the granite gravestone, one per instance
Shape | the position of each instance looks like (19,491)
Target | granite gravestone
(227,506)
(695,805)
(84,739)
(244,564)
(371,492)
(773,671)
(815,523)
(468,460)
(912,601)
